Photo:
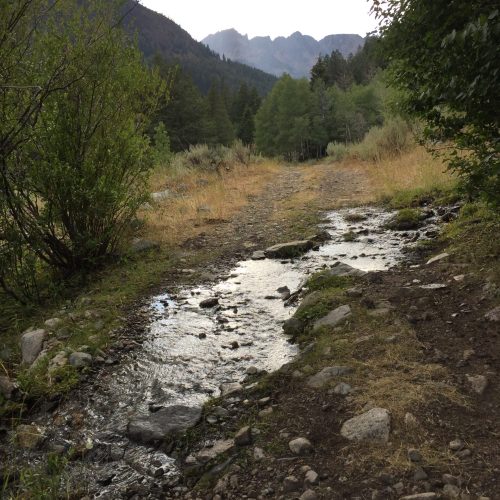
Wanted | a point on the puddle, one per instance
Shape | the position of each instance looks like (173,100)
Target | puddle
(191,351)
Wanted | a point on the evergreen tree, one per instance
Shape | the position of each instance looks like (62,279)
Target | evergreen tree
(221,129)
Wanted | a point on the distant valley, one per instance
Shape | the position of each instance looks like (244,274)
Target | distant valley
(294,55)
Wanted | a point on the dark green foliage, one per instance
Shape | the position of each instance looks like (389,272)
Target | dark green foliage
(221,129)
(444,58)
(73,174)
(245,105)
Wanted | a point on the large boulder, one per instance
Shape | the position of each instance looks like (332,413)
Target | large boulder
(166,422)
(288,250)
(374,425)
(326,375)
(333,318)
(343,269)
(31,345)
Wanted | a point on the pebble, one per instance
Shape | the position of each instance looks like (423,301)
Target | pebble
(420,474)
(80,359)
(421,496)
(456,445)
(311,478)
(451,491)
(243,437)
(290,484)
(449,479)
(342,389)
(258,453)
(478,383)
(300,446)
(308,495)
(414,455)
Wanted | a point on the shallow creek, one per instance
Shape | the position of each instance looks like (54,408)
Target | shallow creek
(190,351)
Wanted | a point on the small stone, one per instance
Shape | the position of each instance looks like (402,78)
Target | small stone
(410,420)
(478,383)
(258,255)
(354,292)
(300,446)
(311,478)
(212,452)
(208,303)
(456,445)
(266,412)
(342,389)
(59,360)
(258,453)
(243,437)
(31,345)
(53,323)
(327,374)
(449,479)
(493,315)
(252,370)
(414,455)
(308,495)
(464,453)
(235,345)
(421,496)
(374,425)
(290,484)
(29,437)
(202,335)
(230,388)
(398,487)
(441,256)
(420,474)
(80,359)
(451,491)
(333,318)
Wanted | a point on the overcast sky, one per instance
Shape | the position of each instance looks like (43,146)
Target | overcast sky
(317,18)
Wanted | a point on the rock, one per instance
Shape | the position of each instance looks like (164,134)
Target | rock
(59,360)
(288,250)
(29,437)
(202,335)
(478,383)
(410,420)
(456,445)
(80,359)
(243,437)
(31,345)
(211,302)
(165,422)
(53,323)
(414,455)
(7,387)
(290,484)
(374,425)
(258,255)
(333,318)
(230,388)
(354,292)
(434,286)
(140,245)
(342,389)
(437,258)
(420,474)
(212,452)
(421,496)
(342,269)
(308,495)
(449,479)
(493,315)
(300,446)
(451,491)
(311,478)
(293,327)
(252,370)
(326,375)
(258,453)
(161,195)
(234,345)
(463,453)
(266,412)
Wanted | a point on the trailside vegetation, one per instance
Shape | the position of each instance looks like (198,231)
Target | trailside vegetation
(444,59)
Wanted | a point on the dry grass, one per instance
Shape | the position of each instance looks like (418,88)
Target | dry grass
(201,198)
(412,172)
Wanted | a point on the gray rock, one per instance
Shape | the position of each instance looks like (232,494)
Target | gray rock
(161,195)
(293,327)
(478,383)
(326,375)
(258,255)
(311,478)
(59,360)
(288,250)
(414,455)
(333,318)
(165,422)
(230,388)
(421,496)
(290,484)
(53,323)
(212,452)
(451,491)
(80,359)
(493,315)
(243,437)
(449,479)
(342,389)
(354,292)
(140,245)
(374,425)
(207,303)
(342,269)
(456,445)
(437,258)
(31,345)
(7,387)
(308,495)
(420,474)
(300,446)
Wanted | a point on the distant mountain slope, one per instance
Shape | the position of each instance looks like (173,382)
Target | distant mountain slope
(295,54)
(158,34)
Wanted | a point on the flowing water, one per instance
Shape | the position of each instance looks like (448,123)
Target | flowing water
(190,351)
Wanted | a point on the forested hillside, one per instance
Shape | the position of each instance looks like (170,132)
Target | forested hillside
(159,35)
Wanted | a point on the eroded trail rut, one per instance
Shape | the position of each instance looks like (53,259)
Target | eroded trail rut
(191,352)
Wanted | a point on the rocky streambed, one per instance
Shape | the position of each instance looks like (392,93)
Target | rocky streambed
(201,342)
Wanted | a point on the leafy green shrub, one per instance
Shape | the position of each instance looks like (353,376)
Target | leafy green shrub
(161,152)
(337,151)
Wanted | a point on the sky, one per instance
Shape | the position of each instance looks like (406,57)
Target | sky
(273,18)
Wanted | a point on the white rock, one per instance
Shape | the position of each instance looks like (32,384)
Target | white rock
(342,388)
(493,315)
(436,258)
(327,375)
(421,496)
(374,425)
(53,323)
(218,448)
(311,478)
(230,388)
(478,383)
(308,495)
(300,446)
